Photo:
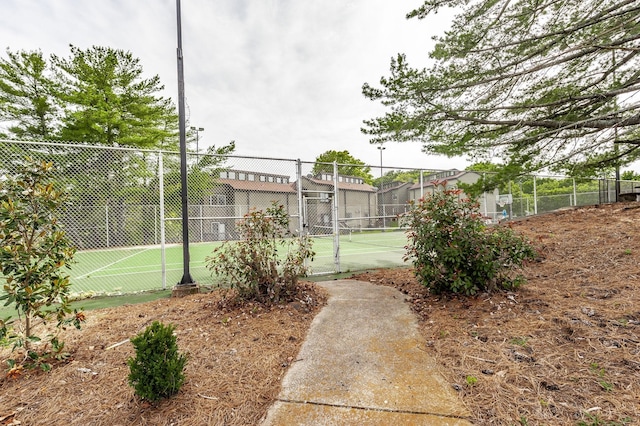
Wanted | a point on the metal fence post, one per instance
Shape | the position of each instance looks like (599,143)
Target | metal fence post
(163,259)
(201,225)
(302,231)
(535,196)
(511,203)
(336,225)
(106,221)
(301,219)
(484,196)
(155,224)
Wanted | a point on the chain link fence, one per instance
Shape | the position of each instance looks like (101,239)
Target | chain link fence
(124,213)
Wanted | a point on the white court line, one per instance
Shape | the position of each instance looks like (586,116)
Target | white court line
(111,264)
(124,274)
(359,253)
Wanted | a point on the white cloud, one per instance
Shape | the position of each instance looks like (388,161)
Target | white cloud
(281,77)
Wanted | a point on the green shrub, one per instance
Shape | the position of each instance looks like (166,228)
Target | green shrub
(453,251)
(254,266)
(34,253)
(157,370)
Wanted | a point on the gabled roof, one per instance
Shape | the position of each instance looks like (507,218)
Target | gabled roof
(451,178)
(403,185)
(346,186)
(257,186)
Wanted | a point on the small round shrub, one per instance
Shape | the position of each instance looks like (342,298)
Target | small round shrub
(454,251)
(157,370)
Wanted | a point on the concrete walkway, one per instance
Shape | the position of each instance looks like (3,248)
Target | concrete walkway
(363,363)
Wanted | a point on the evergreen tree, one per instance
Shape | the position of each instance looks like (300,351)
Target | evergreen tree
(27,100)
(539,83)
(109,102)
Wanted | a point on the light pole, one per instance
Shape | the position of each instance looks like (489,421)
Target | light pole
(382,148)
(187,284)
(198,130)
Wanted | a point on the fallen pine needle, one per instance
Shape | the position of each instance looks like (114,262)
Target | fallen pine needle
(207,397)
(3,418)
(115,345)
(481,359)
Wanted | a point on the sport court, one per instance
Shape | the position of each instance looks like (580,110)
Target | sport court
(134,269)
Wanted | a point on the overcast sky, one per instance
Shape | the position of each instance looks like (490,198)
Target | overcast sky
(282,78)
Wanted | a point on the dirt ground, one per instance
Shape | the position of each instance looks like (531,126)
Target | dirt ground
(563,350)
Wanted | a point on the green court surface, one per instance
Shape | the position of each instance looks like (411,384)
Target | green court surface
(126,270)
(135,269)
(359,251)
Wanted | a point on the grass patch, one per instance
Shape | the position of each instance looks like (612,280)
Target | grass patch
(103,302)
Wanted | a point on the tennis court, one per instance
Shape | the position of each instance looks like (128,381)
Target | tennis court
(128,270)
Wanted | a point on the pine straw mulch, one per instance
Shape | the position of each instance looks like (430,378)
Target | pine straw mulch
(562,350)
(237,358)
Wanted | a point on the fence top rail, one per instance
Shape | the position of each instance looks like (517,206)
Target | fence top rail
(70,144)
(67,144)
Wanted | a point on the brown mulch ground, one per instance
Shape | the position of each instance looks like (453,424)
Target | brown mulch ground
(237,359)
(562,350)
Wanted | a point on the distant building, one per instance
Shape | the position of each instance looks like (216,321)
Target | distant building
(236,193)
(357,201)
(394,198)
(451,179)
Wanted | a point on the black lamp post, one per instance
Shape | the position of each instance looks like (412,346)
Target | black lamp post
(186,280)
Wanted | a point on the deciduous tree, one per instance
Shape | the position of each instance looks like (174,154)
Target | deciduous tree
(34,254)
(347,165)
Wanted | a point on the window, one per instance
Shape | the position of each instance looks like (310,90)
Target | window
(251,177)
(270,179)
(242,176)
(232,175)
(278,180)
(263,178)
(224,175)
(218,200)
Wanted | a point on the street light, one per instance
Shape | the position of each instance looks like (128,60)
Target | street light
(198,130)
(382,148)
(186,285)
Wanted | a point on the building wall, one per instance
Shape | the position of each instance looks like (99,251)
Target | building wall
(487,201)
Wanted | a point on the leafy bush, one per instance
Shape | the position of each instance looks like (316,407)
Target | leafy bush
(453,251)
(157,370)
(254,266)
(34,251)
